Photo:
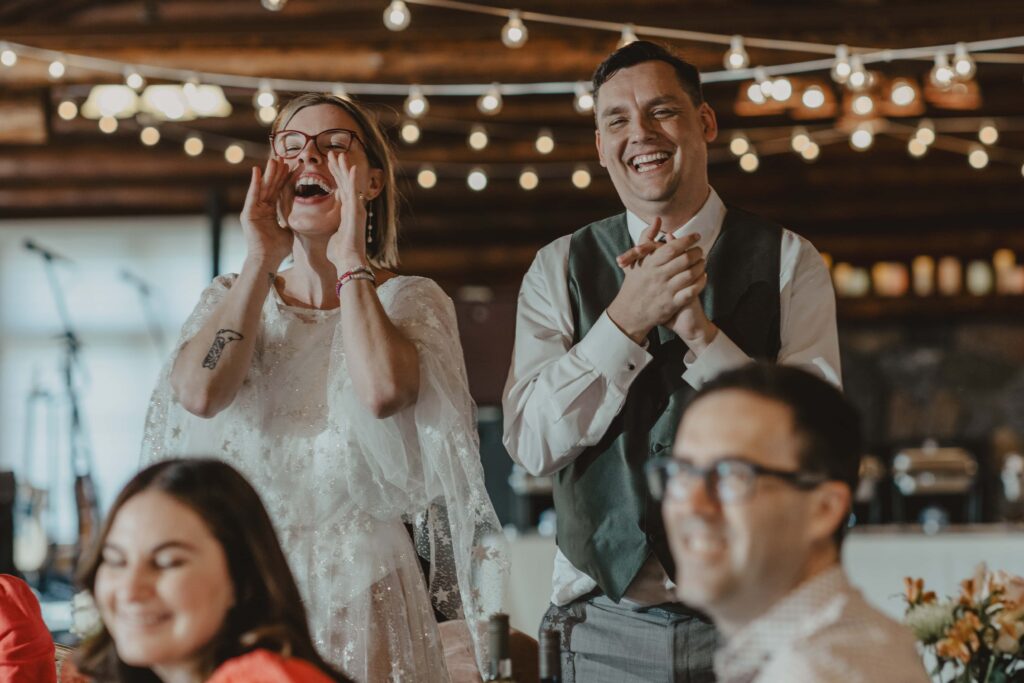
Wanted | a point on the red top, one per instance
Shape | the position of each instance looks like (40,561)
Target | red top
(263,666)
(26,647)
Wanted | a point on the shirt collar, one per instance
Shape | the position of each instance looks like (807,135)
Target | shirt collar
(805,611)
(707,222)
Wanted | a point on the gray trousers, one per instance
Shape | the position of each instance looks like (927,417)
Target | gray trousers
(603,642)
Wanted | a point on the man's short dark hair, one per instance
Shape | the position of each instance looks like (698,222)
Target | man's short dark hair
(642,51)
(827,424)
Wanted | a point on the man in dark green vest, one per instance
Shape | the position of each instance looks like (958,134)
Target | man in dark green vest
(618,324)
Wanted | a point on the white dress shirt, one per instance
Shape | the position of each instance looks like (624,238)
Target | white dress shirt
(560,399)
(822,631)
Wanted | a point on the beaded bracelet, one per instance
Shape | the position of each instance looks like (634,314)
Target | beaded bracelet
(360,273)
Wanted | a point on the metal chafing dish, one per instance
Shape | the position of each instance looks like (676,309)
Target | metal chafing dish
(934,470)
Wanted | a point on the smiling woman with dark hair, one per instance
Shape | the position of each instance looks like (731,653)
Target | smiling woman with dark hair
(190,582)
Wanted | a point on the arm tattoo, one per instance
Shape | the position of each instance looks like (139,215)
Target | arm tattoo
(223,337)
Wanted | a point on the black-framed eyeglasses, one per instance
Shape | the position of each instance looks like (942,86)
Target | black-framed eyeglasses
(289,144)
(729,480)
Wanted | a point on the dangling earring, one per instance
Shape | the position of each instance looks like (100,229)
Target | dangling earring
(369,224)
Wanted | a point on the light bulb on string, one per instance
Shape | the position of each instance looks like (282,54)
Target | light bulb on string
(763,82)
(490,103)
(545,143)
(338,90)
(581,177)
(234,154)
(963,64)
(264,97)
(902,93)
(799,139)
(478,139)
(410,132)
(134,80)
(736,56)
(67,110)
(988,134)
(782,89)
(755,94)
(749,161)
(862,105)
(859,78)
(841,66)
(193,145)
(396,16)
(813,97)
(862,138)
(416,104)
(266,115)
(8,57)
(583,101)
(273,5)
(977,157)
(108,124)
(917,148)
(57,69)
(941,74)
(627,36)
(528,179)
(426,177)
(811,151)
(739,144)
(514,33)
(925,131)
(477,179)
(150,135)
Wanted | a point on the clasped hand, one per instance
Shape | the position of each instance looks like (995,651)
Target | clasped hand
(662,286)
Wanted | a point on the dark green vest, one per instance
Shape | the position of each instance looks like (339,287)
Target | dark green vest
(608,525)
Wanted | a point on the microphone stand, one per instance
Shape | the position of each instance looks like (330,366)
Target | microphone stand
(145,291)
(81,457)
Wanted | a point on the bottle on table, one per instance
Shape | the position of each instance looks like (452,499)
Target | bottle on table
(550,656)
(501,658)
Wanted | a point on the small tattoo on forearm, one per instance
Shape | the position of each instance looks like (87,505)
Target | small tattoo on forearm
(217,348)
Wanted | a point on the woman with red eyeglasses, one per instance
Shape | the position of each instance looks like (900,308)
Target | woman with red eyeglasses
(339,389)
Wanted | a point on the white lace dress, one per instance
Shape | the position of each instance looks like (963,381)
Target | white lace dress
(339,484)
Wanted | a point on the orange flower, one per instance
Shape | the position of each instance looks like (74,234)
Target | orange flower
(961,640)
(914,592)
(1010,628)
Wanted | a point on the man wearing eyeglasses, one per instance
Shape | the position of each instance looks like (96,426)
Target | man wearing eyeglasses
(617,325)
(755,502)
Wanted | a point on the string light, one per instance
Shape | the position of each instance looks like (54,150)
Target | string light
(811,151)
(514,33)
(57,69)
(763,82)
(426,177)
(813,97)
(264,97)
(841,66)
(902,93)
(755,94)
(108,124)
(799,139)
(416,104)
(988,134)
(477,179)
(545,143)
(749,161)
(978,157)
(581,177)
(234,154)
(193,145)
(863,105)
(149,135)
(528,179)
(490,102)
(266,115)
(925,131)
(781,89)
(67,110)
(134,80)
(862,137)
(917,148)
(627,36)
(859,79)
(410,132)
(396,16)
(941,74)
(8,57)
(338,90)
(739,144)
(583,102)
(478,139)
(963,63)
(274,5)
(736,56)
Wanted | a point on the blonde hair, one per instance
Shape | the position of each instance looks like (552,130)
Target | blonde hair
(383,251)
